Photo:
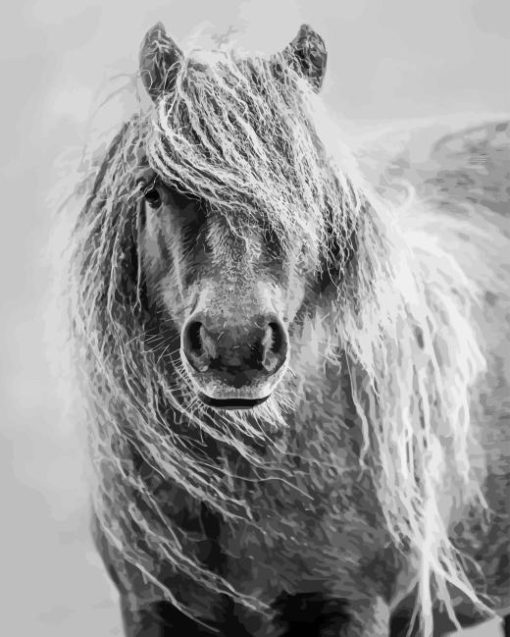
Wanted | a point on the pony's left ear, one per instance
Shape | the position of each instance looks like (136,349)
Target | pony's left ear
(308,56)
(160,59)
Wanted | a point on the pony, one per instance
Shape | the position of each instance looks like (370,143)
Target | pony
(294,378)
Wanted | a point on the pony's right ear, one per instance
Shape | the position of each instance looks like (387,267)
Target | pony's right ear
(308,56)
(160,59)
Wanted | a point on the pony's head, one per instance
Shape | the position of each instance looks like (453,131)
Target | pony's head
(241,210)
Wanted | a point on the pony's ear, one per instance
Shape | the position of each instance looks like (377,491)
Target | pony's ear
(307,55)
(159,59)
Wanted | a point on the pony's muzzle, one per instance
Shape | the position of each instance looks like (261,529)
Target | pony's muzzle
(235,364)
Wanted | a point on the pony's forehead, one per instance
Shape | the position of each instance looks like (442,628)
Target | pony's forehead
(221,98)
(229,73)
(224,104)
(236,134)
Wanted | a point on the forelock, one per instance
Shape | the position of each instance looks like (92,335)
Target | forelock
(238,133)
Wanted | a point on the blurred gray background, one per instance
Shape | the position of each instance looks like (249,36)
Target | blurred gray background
(390,60)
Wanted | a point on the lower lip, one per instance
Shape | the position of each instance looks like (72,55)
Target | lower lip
(232,403)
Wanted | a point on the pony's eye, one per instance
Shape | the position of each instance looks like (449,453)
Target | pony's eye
(152,196)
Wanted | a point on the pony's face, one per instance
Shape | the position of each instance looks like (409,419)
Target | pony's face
(230,263)
(231,297)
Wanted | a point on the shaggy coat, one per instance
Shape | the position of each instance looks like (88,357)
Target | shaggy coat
(294,368)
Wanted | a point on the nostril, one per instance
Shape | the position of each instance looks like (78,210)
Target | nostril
(277,337)
(194,338)
(198,346)
(274,345)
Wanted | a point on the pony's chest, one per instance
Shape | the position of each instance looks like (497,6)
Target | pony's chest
(305,545)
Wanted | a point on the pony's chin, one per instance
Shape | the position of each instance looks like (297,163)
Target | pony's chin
(232,403)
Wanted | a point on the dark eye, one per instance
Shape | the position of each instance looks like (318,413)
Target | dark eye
(272,241)
(152,196)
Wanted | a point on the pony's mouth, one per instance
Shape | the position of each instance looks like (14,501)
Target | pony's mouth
(231,403)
